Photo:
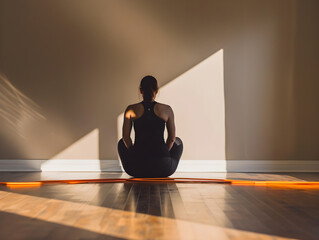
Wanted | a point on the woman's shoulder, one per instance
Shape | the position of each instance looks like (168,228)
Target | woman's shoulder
(134,105)
(164,110)
(134,108)
(164,106)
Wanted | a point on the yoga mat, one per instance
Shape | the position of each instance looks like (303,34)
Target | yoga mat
(168,180)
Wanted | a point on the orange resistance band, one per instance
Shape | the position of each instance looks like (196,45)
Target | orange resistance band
(299,184)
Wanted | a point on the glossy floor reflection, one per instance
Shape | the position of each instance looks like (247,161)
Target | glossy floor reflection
(162,211)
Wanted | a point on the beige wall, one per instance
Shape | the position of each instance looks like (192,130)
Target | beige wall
(78,64)
(306,87)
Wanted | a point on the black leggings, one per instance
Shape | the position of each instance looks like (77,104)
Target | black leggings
(166,165)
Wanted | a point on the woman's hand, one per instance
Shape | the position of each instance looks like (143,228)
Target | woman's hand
(170,143)
(128,143)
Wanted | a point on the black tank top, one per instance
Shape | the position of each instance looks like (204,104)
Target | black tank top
(149,133)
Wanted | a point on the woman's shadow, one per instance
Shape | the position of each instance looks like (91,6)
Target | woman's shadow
(150,197)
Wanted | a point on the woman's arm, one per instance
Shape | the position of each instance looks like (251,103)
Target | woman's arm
(127,126)
(170,124)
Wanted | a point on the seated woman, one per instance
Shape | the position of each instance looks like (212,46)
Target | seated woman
(150,156)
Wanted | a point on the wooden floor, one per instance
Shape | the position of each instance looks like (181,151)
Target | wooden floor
(158,210)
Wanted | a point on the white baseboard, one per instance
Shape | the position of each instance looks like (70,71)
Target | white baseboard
(248,166)
(60,165)
(14,165)
(81,165)
(184,165)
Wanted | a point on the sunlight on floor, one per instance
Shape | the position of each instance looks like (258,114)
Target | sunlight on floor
(113,222)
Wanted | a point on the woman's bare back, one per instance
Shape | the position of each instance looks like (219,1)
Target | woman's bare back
(161,110)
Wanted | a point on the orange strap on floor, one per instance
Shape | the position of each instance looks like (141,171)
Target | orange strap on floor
(169,180)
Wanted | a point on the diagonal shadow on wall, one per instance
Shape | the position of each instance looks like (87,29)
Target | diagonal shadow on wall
(197,99)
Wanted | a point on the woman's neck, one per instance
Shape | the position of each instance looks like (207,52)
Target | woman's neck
(148,101)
